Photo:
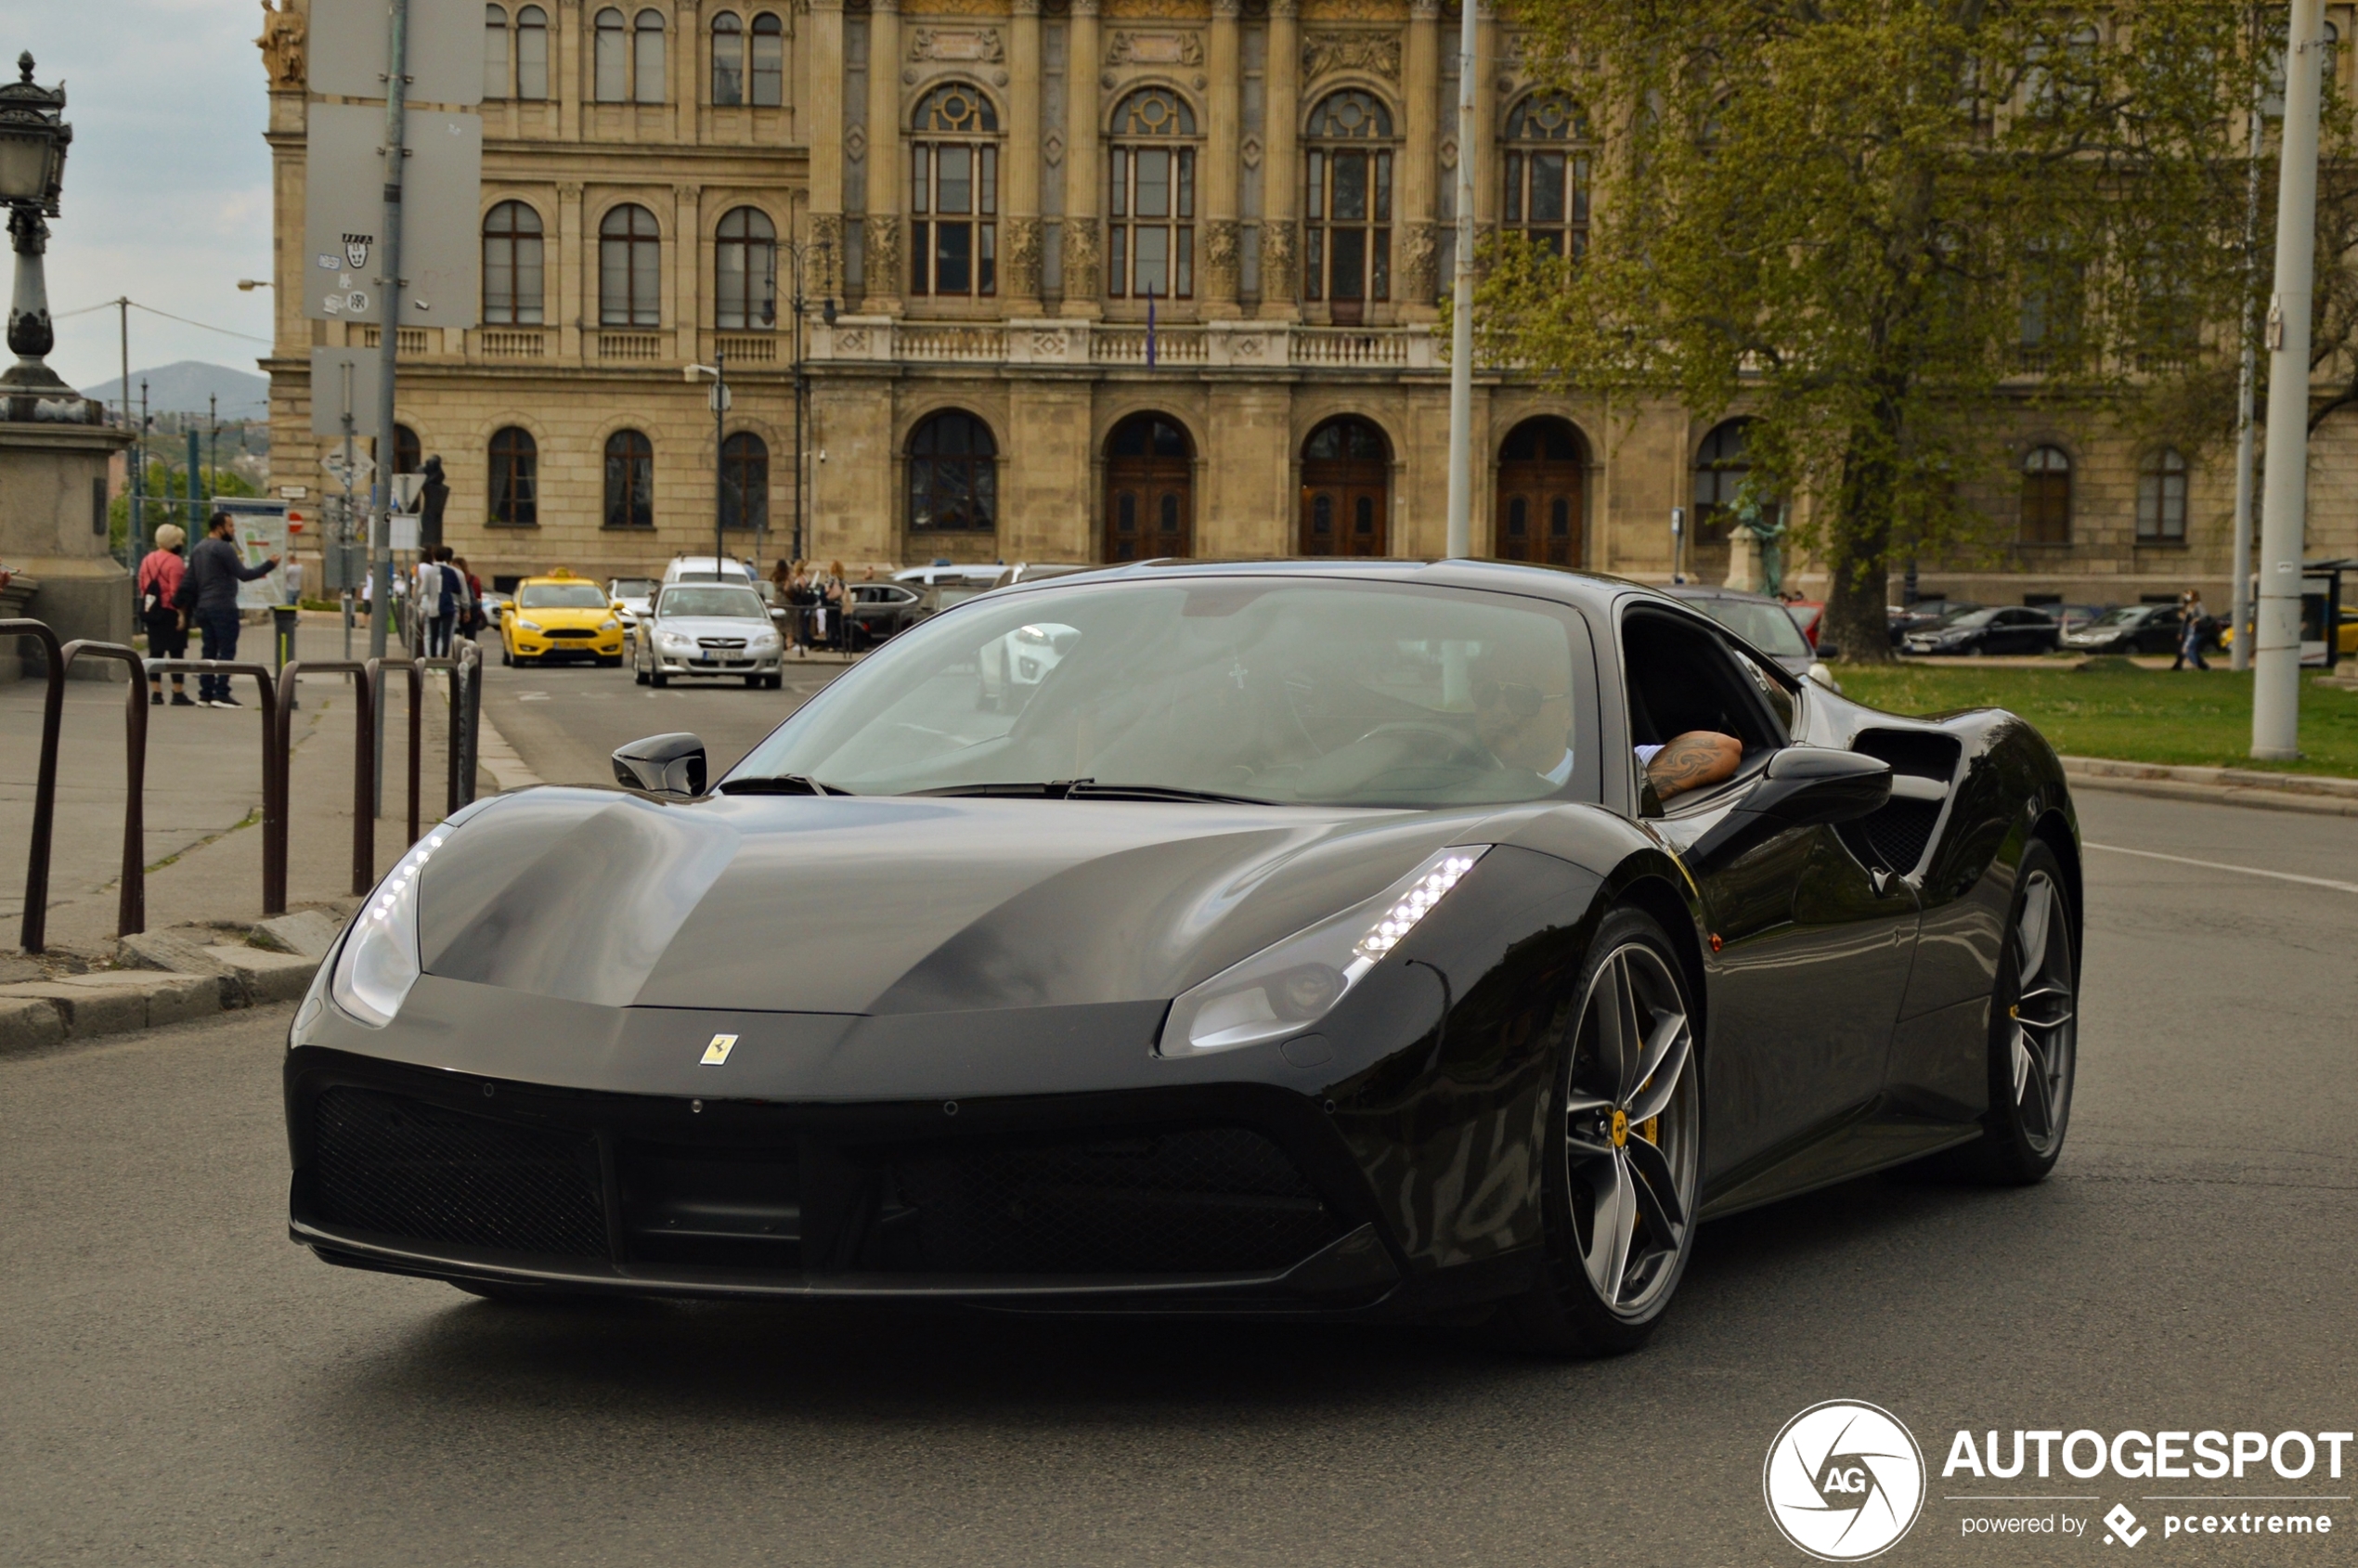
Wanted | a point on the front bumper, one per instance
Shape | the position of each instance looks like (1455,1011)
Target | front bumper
(1227,1198)
(767,663)
(530,647)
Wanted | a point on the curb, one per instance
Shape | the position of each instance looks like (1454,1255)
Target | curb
(2314,793)
(169,977)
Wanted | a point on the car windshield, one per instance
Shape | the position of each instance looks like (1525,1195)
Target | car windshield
(1318,691)
(1976,617)
(2123,616)
(724,601)
(632,588)
(1765,627)
(561,596)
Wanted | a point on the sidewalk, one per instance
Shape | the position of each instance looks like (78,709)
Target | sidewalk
(203,805)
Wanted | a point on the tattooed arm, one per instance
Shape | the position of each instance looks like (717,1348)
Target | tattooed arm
(1698,758)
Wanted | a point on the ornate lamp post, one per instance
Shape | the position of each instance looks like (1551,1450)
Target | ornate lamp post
(34,137)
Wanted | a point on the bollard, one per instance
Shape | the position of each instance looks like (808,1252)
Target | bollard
(131,903)
(33,932)
(284,620)
(274,772)
(465,703)
(409,668)
(363,759)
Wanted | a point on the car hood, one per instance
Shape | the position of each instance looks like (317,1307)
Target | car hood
(712,625)
(883,905)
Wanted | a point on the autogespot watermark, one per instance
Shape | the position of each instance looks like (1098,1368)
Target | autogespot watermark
(1844,1480)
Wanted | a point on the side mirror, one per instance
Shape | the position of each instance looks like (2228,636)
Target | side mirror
(671,764)
(1828,651)
(1808,784)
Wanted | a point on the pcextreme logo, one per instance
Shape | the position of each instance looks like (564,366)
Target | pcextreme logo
(1844,1481)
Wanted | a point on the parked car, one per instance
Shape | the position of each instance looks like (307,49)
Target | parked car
(560,616)
(2346,638)
(1038,570)
(876,612)
(1320,951)
(1763,622)
(1924,614)
(2132,628)
(982,575)
(1809,614)
(2022,628)
(2073,617)
(629,596)
(700,569)
(707,628)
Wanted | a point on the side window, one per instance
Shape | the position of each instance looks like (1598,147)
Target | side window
(1773,692)
(1682,677)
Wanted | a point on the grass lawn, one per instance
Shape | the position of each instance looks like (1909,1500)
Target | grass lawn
(2136,714)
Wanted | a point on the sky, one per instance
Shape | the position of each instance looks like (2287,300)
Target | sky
(167,187)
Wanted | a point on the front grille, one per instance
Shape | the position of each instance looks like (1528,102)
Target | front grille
(402,1167)
(720,641)
(571,631)
(1900,831)
(1207,1200)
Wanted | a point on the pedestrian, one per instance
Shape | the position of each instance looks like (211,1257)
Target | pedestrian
(438,606)
(803,598)
(2190,628)
(831,595)
(470,612)
(209,594)
(159,586)
(294,581)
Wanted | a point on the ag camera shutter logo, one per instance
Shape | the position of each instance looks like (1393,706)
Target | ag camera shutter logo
(1844,1481)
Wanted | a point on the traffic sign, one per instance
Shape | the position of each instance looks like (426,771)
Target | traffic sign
(344,380)
(442,56)
(364,468)
(343,262)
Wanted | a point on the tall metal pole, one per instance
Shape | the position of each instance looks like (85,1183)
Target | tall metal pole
(389,343)
(1462,312)
(343,517)
(2275,692)
(797,256)
(720,467)
(134,539)
(2239,649)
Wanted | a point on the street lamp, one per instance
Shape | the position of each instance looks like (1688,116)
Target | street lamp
(34,137)
(718,371)
(248,285)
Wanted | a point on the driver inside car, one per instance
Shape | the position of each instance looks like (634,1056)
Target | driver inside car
(1525,724)
(1696,760)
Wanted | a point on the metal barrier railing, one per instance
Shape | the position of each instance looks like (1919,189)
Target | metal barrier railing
(465,665)
(274,771)
(131,899)
(377,669)
(364,761)
(33,930)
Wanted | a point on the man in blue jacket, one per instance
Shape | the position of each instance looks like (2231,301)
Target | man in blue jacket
(209,593)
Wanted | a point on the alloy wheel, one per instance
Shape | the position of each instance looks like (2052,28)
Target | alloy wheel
(2042,1015)
(1632,1130)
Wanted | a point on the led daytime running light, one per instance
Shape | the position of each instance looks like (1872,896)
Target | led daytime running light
(1413,906)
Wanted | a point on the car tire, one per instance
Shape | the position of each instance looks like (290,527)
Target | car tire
(507,659)
(639,674)
(658,679)
(774,683)
(1618,1227)
(2034,1034)
(609,661)
(753,682)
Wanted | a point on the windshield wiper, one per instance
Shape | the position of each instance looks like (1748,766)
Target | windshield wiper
(780,783)
(1090,789)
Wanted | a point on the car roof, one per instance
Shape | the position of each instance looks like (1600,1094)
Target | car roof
(1564,584)
(567,578)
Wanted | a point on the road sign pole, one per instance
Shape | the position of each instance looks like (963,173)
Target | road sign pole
(389,343)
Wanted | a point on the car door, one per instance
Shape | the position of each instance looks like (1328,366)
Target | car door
(1811,950)
(2016,632)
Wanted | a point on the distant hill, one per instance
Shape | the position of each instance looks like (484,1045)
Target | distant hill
(182,388)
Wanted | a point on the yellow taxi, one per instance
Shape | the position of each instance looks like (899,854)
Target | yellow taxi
(560,616)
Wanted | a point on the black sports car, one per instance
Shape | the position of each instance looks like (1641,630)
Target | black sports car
(1309,939)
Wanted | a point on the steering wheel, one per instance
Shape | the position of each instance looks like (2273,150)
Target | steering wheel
(1461,747)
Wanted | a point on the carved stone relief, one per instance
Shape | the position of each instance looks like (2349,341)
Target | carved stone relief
(826,238)
(970,45)
(1376,54)
(1220,271)
(1417,253)
(883,274)
(1127,47)
(1080,258)
(1022,257)
(1277,281)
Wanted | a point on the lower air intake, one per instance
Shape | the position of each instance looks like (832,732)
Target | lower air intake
(403,1168)
(1208,1200)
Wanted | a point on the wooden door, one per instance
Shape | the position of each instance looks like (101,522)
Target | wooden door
(1149,492)
(1540,484)
(1346,491)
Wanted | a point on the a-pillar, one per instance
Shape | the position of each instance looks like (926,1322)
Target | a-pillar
(826,146)
(1281,172)
(880,268)
(1418,284)
(1020,175)
(1220,268)
(1084,279)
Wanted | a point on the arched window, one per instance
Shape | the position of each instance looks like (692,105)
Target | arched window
(1346,253)
(954,475)
(629,269)
(2161,498)
(1150,238)
(728,59)
(512,252)
(515,464)
(768,60)
(2046,496)
(1722,472)
(631,481)
(646,57)
(532,54)
(612,48)
(744,482)
(745,268)
(408,453)
(953,194)
(495,51)
(1547,173)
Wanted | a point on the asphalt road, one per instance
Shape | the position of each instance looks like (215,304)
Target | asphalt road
(181,1385)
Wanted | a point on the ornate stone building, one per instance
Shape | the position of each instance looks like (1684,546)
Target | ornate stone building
(1088,280)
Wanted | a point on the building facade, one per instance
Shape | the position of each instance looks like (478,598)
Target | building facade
(1082,280)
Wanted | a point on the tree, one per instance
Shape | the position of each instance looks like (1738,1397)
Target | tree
(1881,227)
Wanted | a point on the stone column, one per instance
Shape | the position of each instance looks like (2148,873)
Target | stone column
(567,66)
(572,306)
(687,269)
(1217,286)
(825,141)
(881,279)
(1419,159)
(1084,272)
(1020,173)
(1281,172)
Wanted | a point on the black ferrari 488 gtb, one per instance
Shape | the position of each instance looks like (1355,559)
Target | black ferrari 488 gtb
(1365,939)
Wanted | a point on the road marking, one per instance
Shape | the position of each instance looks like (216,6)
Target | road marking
(2240,870)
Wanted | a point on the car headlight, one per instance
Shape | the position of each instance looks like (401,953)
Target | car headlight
(527,626)
(1283,989)
(673,640)
(610,626)
(380,960)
